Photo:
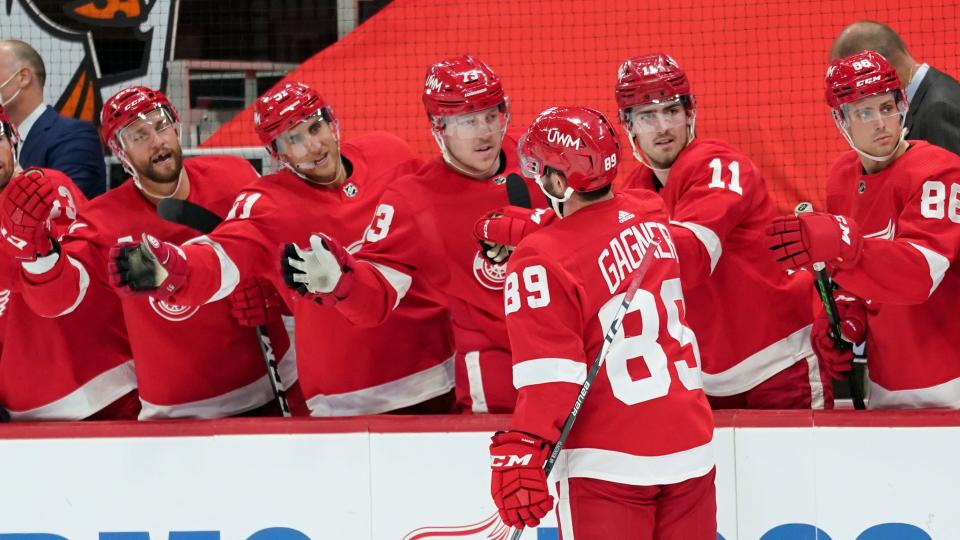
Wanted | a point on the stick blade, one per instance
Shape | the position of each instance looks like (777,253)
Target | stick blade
(517,192)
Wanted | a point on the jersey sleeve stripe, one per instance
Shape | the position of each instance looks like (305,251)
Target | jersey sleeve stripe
(708,238)
(229,273)
(937,263)
(398,280)
(548,370)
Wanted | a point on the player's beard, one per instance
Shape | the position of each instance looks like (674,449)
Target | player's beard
(168,175)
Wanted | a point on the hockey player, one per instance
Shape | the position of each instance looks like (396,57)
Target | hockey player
(73,367)
(891,239)
(564,286)
(404,364)
(422,231)
(757,354)
(191,361)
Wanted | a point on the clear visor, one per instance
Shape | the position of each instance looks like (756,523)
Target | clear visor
(306,136)
(529,165)
(874,108)
(142,130)
(492,121)
(657,116)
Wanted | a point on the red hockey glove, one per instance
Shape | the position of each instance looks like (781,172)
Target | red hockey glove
(323,273)
(518,483)
(254,302)
(500,230)
(25,215)
(147,267)
(803,239)
(853,329)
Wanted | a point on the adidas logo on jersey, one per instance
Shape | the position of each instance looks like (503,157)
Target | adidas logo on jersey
(623,215)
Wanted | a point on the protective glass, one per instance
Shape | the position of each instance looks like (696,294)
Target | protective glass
(867,111)
(492,121)
(142,130)
(529,165)
(657,116)
(310,132)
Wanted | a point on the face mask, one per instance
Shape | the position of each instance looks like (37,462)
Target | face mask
(8,101)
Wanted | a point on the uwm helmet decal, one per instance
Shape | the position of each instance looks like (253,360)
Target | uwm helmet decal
(79,41)
(491,528)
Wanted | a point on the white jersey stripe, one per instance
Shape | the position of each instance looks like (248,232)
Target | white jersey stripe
(548,370)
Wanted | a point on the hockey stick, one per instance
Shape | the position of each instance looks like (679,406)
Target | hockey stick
(204,221)
(855,379)
(517,192)
(615,326)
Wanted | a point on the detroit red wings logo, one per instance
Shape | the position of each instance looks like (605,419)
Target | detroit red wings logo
(489,529)
(489,274)
(172,312)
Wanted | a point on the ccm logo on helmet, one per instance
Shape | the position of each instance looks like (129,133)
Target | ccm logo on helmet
(868,81)
(510,461)
(565,139)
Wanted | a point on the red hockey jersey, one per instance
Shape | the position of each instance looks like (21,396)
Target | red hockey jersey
(753,320)
(344,369)
(909,215)
(70,367)
(646,420)
(191,361)
(423,230)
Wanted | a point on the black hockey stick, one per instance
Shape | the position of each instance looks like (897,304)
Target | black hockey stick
(615,326)
(517,192)
(855,379)
(204,221)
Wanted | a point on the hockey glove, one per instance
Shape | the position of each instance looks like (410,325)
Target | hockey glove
(518,483)
(803,239)
(147,267)
(25,214)
(323,273)
(254,302)
(502,229)
(853,330)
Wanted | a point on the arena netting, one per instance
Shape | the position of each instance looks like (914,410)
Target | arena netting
(756,67)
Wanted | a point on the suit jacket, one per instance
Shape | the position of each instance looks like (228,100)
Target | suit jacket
(934,114)
(68,145)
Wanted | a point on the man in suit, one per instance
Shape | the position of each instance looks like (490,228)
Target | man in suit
(934,96)
(49,140)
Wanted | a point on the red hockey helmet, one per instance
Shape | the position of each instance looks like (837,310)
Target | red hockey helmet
(859,75)
(8,129)
(461,85)
(285,106)
(576,141)
(128,105)
(652,78)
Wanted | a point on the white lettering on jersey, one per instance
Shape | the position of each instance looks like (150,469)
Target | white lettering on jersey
(627,248)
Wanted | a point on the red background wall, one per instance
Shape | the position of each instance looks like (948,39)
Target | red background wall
(756,67)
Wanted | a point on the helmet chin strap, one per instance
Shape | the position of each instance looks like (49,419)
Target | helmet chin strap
(642,158)
(295,169)
(871,157)
(136,180)
(555,202)
(451,161)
